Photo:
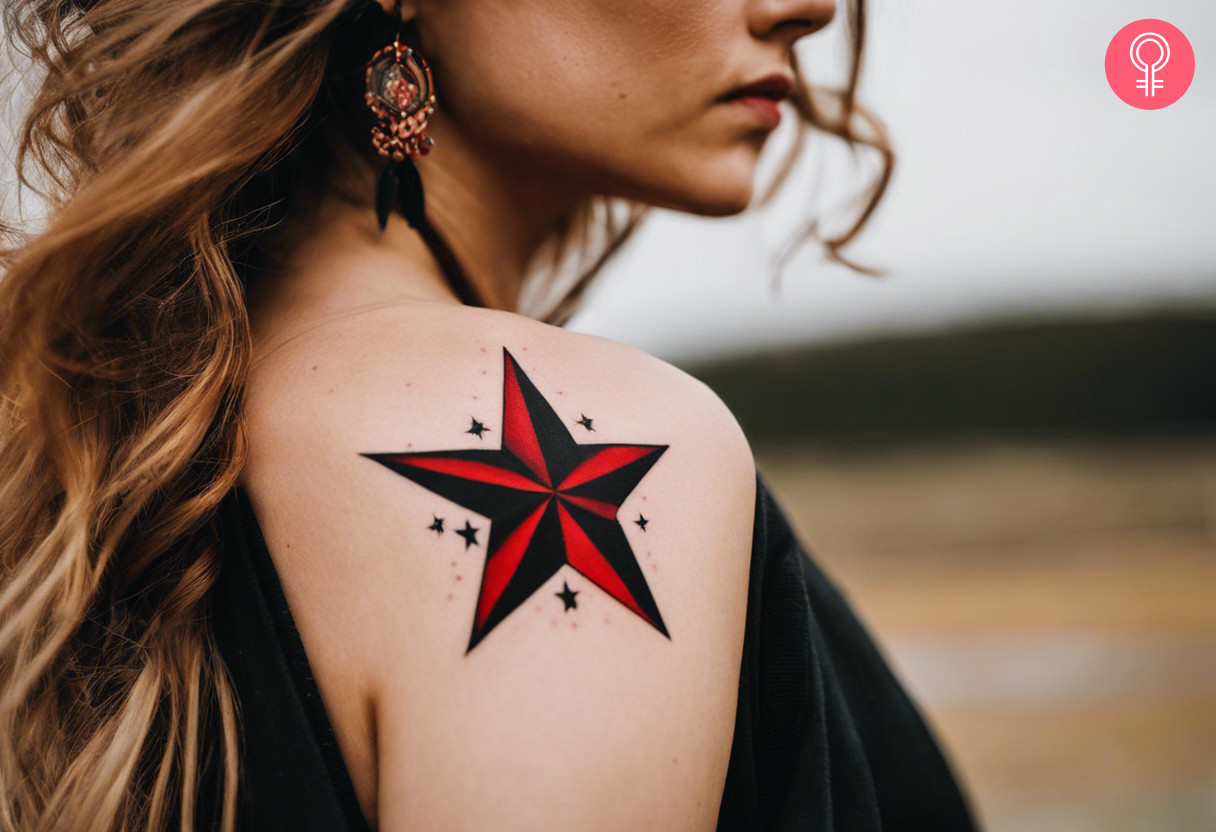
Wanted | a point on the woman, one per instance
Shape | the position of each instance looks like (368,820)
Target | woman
(306,526)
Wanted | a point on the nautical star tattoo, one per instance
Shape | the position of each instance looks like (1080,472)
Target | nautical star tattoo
(551,502)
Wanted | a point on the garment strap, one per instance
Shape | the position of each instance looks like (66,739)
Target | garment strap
(449,264)
(400,186)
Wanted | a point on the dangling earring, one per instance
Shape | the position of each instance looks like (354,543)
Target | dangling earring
(400,92)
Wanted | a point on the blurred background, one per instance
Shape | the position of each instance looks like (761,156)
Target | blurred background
(1004,450)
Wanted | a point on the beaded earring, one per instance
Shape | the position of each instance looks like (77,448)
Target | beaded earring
(400,93)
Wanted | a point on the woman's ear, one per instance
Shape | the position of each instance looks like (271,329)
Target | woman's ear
(409,8)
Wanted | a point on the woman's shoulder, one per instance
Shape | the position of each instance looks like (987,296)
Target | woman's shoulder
(426,372)
(432,337)
(533,544)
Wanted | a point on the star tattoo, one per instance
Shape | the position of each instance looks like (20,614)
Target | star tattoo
(567,597)
(477,429)
(468,533)
(551,502)
(436,524)
(585,422)
(641,521)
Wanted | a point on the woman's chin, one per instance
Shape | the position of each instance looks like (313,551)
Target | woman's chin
(710,197)
(719,203)
(721,188)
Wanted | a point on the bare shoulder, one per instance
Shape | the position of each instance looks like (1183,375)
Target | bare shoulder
(531,546)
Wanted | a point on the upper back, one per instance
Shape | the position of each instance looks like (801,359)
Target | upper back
(518,560)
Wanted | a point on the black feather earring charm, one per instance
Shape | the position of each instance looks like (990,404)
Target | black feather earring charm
(386,193)
(400,185)
(401,94)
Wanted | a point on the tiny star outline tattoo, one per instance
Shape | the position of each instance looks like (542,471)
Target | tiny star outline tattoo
(477,428)
(567,597)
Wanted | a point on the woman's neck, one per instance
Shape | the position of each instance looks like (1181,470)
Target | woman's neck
(492,212)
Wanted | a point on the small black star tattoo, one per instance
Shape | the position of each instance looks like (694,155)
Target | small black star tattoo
(477,429)
(468,533)
(436,525)
(585,422)
(567,597)
(641,521)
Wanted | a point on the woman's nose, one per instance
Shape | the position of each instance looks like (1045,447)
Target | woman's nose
(790,19)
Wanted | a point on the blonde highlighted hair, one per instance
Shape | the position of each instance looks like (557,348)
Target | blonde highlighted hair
(168,140)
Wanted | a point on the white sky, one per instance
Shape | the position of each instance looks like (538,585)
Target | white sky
(1023,186)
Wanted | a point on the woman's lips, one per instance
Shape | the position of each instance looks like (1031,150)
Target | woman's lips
(765,109)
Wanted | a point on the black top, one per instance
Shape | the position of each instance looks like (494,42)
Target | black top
(825,737)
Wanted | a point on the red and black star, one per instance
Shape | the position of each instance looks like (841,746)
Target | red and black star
(551,502)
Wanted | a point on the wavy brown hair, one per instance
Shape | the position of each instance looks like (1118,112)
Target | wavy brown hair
(175,145)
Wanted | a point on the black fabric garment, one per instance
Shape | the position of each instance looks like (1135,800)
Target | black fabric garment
(825,738)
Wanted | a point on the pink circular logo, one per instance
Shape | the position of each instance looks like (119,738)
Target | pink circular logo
(1150,64)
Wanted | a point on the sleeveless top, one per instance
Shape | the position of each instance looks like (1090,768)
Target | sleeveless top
(825,737)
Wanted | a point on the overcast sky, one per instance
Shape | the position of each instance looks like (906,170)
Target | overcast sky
(1024,185)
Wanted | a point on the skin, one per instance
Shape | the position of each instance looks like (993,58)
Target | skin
(541,105)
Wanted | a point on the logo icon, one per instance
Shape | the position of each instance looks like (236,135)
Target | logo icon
(1151,82)
(1150,64)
